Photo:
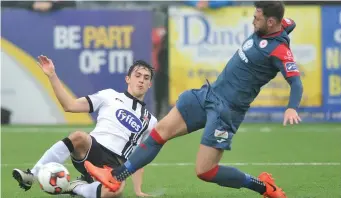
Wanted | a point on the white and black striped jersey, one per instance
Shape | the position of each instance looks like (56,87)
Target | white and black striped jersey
(122,122)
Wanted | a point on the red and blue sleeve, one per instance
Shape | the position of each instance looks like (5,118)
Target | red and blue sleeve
(288,25)
(283,59)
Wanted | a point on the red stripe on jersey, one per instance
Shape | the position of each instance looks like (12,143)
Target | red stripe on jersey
(283,53)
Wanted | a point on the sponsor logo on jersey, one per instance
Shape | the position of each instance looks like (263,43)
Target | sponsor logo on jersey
(289,56)
(221,140)
(247,45)
(129,120)
(221,134)
(291,67)
(243,56)
(119,100)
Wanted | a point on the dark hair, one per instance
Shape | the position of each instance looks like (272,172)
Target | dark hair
(271,9)
(141,63)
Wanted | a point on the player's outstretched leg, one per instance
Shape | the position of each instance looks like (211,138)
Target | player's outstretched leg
(207,169)
(59,153)
(24,178)
(74,185)
(169,127)
(91,190)
(272,191)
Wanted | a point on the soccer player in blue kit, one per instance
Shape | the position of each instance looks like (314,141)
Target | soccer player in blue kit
(220,107)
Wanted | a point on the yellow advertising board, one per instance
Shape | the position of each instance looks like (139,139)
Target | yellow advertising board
(202,42)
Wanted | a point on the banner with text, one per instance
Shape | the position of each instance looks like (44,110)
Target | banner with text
(91,50)
(201,43)
(331,49)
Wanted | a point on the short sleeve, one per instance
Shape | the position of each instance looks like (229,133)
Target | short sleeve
(96,100)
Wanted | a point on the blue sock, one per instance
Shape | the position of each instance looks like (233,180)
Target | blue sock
(233,178)
(143,155)
(254,184)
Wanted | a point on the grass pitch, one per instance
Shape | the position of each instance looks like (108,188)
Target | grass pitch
(304,159)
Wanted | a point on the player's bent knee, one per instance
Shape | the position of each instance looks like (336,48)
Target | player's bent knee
(79,138)
(203,168)
(105,193)
(81,142)
(207,162)
(205,174)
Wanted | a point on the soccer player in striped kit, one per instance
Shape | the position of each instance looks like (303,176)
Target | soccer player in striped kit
(122,122)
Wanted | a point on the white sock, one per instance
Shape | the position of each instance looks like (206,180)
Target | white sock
(58,153)
(87,190)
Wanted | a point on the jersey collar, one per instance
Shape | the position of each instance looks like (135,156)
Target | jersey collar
(133,98)
(273,34)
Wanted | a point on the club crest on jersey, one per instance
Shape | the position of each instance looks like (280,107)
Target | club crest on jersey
(263,43)
(129,120)
(291,67)
(145,118)
(247,45)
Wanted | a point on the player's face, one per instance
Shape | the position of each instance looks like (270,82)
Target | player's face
(263,25)
(139,82)
(260,23)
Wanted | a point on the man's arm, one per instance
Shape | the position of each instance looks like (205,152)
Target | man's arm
(138,175)
(288,25)
(137,181)
(283,59)
(69,104)
(296,91)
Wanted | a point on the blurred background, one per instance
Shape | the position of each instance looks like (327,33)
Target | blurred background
(93,43)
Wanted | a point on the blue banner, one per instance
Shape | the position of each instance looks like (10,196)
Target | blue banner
(91,49)
(331,49)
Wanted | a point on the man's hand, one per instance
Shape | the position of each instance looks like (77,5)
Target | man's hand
(291,115)
(42,6)
(141,194)
(202,4)
(46,65)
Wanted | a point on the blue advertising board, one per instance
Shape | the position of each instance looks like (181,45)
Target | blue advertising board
(331,50)
(91,49)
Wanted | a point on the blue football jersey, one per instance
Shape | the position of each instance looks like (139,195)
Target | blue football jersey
(255,63)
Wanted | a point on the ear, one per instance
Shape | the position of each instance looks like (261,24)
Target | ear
(150,85)
(127,78)
(271,21)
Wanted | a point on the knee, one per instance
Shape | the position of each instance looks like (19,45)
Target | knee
(162,130)
(105,193)
(206,173)
(172,125)
(167,132)
(79,139)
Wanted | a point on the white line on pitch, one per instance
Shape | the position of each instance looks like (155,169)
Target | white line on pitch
(227,164)
(241,130)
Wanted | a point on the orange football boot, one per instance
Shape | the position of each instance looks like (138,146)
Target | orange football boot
(272,191)
(103,175)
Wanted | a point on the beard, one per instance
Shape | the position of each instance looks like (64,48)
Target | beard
(261,32)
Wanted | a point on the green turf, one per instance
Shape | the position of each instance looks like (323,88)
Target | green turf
(255,143)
